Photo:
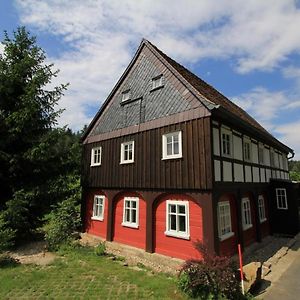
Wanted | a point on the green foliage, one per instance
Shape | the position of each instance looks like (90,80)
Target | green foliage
(64,219)
(7,235)
(100,249)
(295,176)
(213,277)
(294,167)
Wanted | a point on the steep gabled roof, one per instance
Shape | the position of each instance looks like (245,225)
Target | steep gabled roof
(205,93)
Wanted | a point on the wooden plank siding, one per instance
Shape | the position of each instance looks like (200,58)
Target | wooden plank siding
(149,171)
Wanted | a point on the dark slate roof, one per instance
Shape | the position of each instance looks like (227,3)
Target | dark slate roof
(209,92)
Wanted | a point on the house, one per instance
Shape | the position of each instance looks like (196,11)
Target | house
(168,160)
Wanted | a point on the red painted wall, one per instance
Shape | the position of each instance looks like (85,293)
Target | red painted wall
(95,227)
(172,246)
(126,235)
(228,247)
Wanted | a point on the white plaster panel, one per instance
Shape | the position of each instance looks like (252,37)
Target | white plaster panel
(280,162)
(278,174)
(237,147)
(227,171)
(276,159)
(254,153)
(248,176)
(282,175)
(267,156)
(273,174)
(238,173)
(217,165)
(255,174)
(262,175)
(216,141)
(268,175)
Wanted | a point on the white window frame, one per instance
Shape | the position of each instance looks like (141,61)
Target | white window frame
(122,156)
(164,145)
(126,96)
(130,223)
(281,198)
(99,155)
(246,213)
(247,150)
(157,82)
(176,233)
(261,209)
(96,211)
(224,220)
(228,143)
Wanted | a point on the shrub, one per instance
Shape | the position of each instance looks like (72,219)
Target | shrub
(7,261)
(7,235)
(100,250)
(62,221)
(212,277)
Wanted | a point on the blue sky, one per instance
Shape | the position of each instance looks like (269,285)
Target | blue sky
(249,51)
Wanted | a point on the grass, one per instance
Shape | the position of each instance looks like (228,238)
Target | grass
(80,274)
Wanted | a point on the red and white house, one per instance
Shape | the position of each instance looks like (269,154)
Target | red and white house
(169,161)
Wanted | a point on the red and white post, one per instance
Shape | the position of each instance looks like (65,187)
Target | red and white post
(241,268)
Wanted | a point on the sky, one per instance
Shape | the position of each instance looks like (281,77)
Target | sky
(248,50)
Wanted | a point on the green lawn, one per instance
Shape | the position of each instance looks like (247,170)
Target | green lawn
(80,274)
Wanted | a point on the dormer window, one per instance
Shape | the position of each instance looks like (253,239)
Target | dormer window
(157,82)
(126,96)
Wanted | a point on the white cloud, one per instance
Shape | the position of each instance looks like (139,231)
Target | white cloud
(256,35)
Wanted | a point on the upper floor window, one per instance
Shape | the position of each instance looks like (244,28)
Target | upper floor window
(157,82)
(177,223)
(246,213)
(261,209)
(131,212)
(96,156)
(247,150)
(126,95)
(98,208)
(224,220)
(281,198)
(226,143)
(272,158)
(127,152)
(172,145)
(261,158)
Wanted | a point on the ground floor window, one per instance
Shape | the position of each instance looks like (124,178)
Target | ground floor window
(261,209)
(224,220)
(98,208)
(177,219)
(131,212)
(246,213)
(281,199)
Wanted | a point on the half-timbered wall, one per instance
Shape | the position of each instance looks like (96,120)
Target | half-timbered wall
(192,171)
(237,168)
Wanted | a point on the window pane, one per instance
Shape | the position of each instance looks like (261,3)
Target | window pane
(133,204)
(133,216)
(127,203)
(172,221)
(169,149)
(175,138)
(176,148)
(169,139)
(127,215)
(181,209)
(182,223)
(172,208)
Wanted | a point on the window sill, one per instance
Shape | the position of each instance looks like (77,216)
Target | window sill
(263,220)
(226,236)
(156,88)
(282,208)
(177,235)
(126,162)
(246,227)
(97,218)
(95,165)
(130,100)
(172,157)
(131,225)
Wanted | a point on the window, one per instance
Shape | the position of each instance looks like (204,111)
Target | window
(281,199)
(96,156)
(131,212)
(177,219)
(172,145)
(224,220)
(127,152)
(126,95)
(98,208)
(157,82)
(226,144)
(261,209)
(261,158)
(272,159)
(247,151)
(246,213)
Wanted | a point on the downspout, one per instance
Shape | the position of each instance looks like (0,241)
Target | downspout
(293,154)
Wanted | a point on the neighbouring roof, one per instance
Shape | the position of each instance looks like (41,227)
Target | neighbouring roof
(207,95)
